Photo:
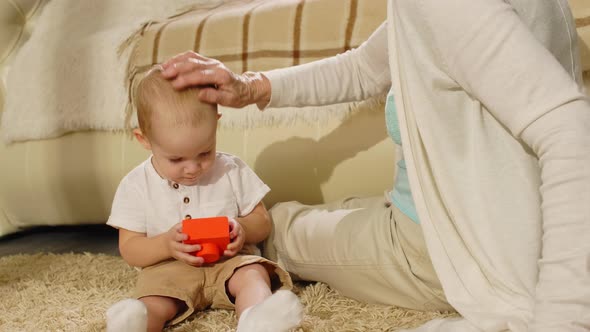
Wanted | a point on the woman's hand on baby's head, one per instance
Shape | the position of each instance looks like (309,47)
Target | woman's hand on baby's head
(191,69)
(217,83)
(237,238)
(180,251)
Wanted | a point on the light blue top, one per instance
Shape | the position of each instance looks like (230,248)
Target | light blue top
(401,195)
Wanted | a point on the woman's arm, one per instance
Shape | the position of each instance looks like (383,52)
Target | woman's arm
(494,56)
(354,75)
(561,141)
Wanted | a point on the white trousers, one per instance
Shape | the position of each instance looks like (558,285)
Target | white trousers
(365,248)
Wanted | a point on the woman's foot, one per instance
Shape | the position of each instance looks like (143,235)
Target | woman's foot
(280,312)
(128,315)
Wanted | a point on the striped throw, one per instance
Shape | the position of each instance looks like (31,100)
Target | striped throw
(260,35)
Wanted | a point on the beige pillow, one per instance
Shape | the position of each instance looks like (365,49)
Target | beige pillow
(15,25)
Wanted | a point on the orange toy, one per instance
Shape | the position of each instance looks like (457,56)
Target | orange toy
(211,233)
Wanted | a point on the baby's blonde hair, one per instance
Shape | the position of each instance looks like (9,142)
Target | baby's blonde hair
(155,94)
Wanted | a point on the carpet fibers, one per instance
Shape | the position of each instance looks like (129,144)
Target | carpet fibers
(71,292)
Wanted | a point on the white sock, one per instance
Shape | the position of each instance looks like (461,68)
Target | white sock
(128,315)
(280,312)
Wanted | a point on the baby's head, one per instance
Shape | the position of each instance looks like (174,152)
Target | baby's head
(178,128)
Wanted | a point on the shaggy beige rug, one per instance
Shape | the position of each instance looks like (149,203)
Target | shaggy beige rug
(71,292)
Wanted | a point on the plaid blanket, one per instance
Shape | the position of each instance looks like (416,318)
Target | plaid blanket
(260,35)
(266,34)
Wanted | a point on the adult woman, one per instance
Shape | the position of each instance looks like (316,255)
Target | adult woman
(487,98)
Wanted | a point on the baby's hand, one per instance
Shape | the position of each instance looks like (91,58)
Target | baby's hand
(179,250)
(237,238)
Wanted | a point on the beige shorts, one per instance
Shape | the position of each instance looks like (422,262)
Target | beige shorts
(201,287)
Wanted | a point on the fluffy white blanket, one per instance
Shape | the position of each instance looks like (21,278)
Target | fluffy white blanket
(69,77)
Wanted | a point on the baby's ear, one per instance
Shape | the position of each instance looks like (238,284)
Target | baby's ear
(142,139)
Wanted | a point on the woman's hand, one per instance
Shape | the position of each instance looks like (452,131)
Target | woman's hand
(218,84)
(179,250)
(237,237)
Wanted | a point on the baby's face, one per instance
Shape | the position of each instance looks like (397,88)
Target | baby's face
(182,154)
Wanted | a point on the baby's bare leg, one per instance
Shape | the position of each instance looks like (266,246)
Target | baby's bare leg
(249,285)
(160,309)
(259,310)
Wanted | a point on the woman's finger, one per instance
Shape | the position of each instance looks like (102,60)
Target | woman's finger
(177,58)
(182,57)
(210,95)
(188,66)
(202,77)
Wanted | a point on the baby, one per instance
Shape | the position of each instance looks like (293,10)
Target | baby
(185,178)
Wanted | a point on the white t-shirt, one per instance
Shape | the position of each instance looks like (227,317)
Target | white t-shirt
(147,203)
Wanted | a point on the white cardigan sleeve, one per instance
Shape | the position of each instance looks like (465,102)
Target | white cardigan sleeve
(490,52)
(352,76)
